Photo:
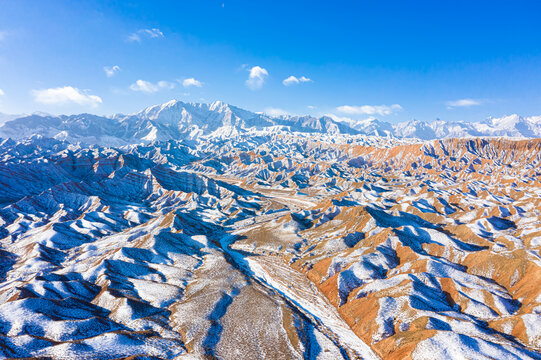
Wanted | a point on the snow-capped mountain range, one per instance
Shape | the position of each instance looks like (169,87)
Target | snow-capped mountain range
(178,120)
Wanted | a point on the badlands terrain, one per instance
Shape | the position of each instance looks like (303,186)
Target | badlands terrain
(204,231)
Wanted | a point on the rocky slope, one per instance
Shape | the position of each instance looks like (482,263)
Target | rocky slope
(268,244)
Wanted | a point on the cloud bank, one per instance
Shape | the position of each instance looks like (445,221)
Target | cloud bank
(462,103)
(64,96)
(275,112)
(381,110)
(148,88)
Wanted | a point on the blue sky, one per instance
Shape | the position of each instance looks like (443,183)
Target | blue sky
(394,60)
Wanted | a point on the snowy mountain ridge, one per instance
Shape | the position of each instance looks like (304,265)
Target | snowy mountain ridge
(179,120)
(510,125)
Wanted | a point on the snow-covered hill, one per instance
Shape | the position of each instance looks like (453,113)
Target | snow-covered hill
(265,246)
(177,120)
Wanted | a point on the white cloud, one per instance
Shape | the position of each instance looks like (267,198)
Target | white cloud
(152,33)
(166,85)
(65,95)
(292,80)
(344,119)
(111,71)
(144,86)
(462,103)
(369,109)
(149,88)
(2,93)
(3,35)
(134,38)
(145,33)
(256,78)
(349,121)
(191,82)
(274,112)
(311,107)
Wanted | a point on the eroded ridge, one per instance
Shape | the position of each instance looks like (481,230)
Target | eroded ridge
(271,246)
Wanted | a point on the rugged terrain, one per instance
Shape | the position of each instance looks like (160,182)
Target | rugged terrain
(252,244)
